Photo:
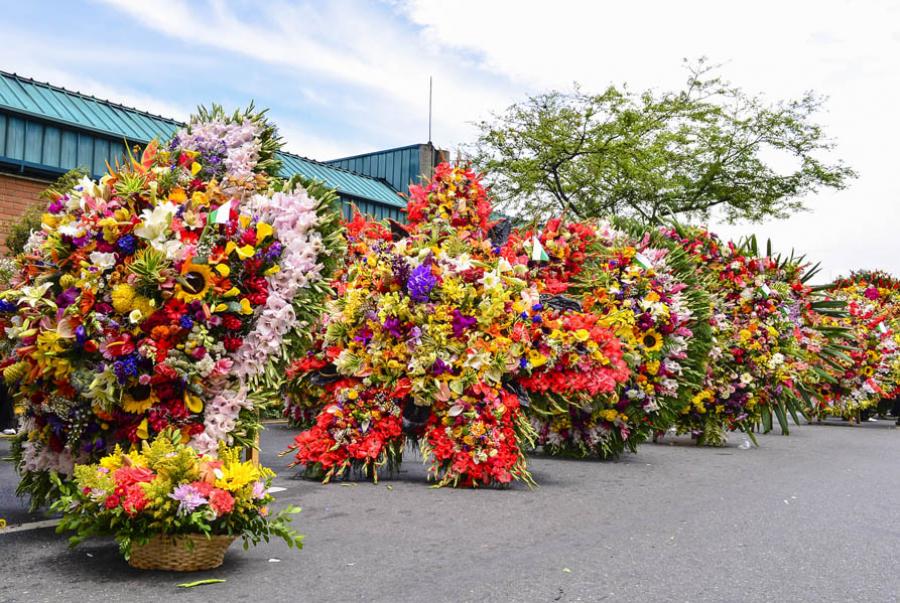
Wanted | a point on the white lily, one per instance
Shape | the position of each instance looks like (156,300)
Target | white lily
(103,260)
(155,222)
(34,294)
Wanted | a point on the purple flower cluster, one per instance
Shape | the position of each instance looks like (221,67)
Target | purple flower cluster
(188,497)
(420,283)
(126,367)
(440,367)
(461,323)
(392,326)
(400,269)
(127,244)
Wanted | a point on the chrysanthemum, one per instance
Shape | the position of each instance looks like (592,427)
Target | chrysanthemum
(123,298)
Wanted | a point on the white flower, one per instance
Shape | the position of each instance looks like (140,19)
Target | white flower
(155,222)
(491,280)
(33,294)
(746,378)
(135,316)
(463,262)
(72,229)
(776,360)
(103,260)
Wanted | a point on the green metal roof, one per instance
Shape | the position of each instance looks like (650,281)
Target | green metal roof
(53,103)
(342,180)
(48,103)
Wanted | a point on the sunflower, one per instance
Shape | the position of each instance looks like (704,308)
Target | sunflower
(652,341)
(139,399)
(194,282)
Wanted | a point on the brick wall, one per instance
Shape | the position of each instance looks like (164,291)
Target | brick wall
(16,195)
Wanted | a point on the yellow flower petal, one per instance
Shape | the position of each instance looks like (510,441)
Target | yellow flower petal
(223,269)
(246,251)
(195,168)
(234,291)
(263,231)
(246,308)
(142,431)
(194,403)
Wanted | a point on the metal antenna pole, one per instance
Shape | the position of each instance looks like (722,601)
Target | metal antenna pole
(429,106)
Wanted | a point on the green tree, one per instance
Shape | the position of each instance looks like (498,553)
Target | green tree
(655,156)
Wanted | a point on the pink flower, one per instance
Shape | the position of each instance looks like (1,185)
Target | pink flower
(221,501)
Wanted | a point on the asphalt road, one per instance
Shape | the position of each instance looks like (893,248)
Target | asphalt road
(810,517)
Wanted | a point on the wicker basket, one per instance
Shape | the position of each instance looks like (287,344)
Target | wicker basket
(185,553)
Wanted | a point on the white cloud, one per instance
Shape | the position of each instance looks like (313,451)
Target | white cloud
(382,66)
(847,51)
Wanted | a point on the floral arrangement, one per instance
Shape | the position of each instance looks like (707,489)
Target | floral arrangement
(305,386)
(627,286)
(169,294)
(868,371)
(436,328)
(767,333)
(168,488)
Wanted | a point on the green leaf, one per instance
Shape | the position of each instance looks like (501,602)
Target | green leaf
(200,583)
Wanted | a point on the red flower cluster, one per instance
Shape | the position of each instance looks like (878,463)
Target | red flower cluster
(590,361)
(129,492)
(566,245)
(474,439)
(362,426)
(434,201)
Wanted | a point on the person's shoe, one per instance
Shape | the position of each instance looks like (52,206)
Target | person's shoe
(872,420)
(9,432)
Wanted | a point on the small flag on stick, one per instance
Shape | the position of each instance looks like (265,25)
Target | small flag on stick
(642,261)
(537,251)
(221,214)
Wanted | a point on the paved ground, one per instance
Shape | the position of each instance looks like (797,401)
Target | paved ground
(810,517)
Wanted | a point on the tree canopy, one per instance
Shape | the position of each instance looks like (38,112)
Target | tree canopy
(657,155)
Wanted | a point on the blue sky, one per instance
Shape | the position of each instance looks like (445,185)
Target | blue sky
(317,85)
(352,75)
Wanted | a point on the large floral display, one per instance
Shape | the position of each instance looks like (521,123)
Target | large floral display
(639,291)
(768,336)
(305,394)
(869,370)
(169,294)
(433,337)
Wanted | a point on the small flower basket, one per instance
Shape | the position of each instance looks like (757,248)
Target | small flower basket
(172,508)
(185,553)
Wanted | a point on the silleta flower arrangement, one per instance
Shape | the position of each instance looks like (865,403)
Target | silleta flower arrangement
(764,322)
(305,391)
(634,290)
(167,494)
(869,371)
(169,294)
(431,338)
